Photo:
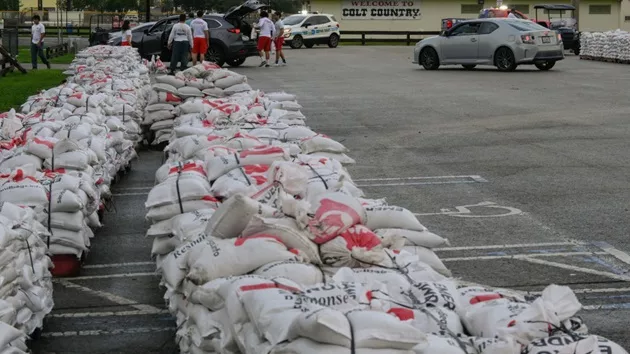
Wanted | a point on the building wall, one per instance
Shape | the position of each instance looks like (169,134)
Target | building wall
(434,10)
(28,4)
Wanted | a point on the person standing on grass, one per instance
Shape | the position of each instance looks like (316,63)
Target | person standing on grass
(264,38)
(38,32)
(279,37)
(126,34)
(179,41)
(201,37)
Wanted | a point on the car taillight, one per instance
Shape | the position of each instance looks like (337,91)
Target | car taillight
(337,25)
(234,30)
(449,24)
(527,39)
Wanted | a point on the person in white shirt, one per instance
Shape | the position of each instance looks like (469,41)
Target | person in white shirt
(180,41)
(201,37)
(264,38)
(511,14)
(126,34)
(38,32)
(278,40)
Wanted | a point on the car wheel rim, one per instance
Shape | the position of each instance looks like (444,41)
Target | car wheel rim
(503,59)
(298,42)
(333,40)
(213,55)
(427,59)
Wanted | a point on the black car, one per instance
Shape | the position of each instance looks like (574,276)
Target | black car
(229,36)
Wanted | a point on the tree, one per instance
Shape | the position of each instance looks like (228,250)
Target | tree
(10,5)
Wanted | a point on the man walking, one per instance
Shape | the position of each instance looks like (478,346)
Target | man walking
(264,38)
(179,41)
(201,37)
(38,32)
(279,37)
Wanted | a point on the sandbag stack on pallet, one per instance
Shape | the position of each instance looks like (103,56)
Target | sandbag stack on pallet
(63,150)
(612,46)
(265,245)
(25,281)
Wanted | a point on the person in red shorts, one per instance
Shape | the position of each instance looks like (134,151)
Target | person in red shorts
(264,38)
(201,37)
(278,39)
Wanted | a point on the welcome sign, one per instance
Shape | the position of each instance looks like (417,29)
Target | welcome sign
(380,10)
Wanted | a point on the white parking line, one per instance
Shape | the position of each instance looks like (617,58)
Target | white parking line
(474,177)
(106,276)
(109,296)
(107,313)
(102,332)
(114,265)
(576,268)
(620,255)
(128,194)
(521,256)
(133,188)
(516,245)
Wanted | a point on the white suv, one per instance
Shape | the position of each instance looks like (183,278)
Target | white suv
(311,29)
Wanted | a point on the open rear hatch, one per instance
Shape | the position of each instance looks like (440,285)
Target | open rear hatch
(236,14)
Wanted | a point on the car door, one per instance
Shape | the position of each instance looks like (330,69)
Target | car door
(151,42)
(319,27)
(309,27)
(461,44)
(487,41)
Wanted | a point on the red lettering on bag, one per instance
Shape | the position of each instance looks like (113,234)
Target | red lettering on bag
(44,142)
(265,150)
(172,98)
(265,286)
(329,220)
(483,298)
(360,236)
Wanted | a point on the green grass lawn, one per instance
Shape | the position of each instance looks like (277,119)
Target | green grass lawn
(24,56)
(16,87)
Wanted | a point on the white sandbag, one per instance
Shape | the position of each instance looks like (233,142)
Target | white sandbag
(429,257)
(168,211)
(280,96)
(178,188)
(170,80)
(355,247)
(187,92)
(233,216)
(436,294)
(305,345)
(231,80)
(430,319)
(342,158)
(524,322)
(473,295)
(213,92)
(189,225)
(301,273)
(386,217)
(321,143)
(287,231)
(222,258)
(242,87)
(296,133)
(565,344)
(414,238)
(332,214)
(162,87)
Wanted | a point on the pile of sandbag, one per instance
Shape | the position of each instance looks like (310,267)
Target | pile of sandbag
(613,45)
(266,245)
(25,281)
(61,153)
(182,96)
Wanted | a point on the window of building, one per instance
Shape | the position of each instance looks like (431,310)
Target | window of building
(599,9)
(471,8)
(627,18)
(524,8)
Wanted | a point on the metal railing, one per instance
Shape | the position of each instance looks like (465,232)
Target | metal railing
(366,37)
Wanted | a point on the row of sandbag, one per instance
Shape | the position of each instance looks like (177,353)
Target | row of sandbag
(265,245)
(25,281)
(67,144)
(606,45)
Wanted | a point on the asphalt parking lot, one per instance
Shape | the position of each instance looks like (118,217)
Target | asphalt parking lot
(526,173)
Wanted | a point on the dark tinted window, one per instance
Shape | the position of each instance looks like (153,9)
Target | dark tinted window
(159,27)
(487,28)
(466,29)
(213,23)
(318,20)
(293,20)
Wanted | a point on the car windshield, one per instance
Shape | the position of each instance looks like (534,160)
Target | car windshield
(525,26)
(293,20)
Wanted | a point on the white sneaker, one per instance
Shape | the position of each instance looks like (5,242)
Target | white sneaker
(276,65)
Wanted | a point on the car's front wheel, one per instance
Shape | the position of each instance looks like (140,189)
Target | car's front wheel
(236,62)
(333,40)
(296,42)
(216,55)
(429,59)
(545,65)
(504,59)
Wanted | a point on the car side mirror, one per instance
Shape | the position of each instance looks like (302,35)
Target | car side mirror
(306,24)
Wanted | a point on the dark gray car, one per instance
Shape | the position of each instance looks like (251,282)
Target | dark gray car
(229,36)
(115,38)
